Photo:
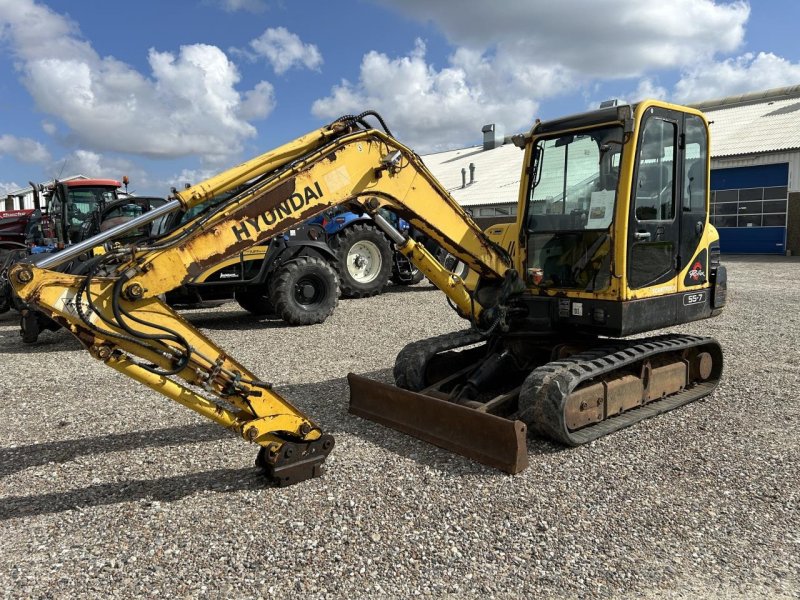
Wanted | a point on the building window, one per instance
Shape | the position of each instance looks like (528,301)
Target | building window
(505,210)
(749,207)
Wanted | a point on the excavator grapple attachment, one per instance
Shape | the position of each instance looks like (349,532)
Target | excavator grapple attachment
(479,436)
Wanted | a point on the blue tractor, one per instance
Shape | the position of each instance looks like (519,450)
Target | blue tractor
(365,258)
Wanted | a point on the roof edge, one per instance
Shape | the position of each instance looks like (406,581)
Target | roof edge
(755,153)
(780,93)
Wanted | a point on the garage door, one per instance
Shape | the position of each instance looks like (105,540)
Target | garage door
(748,206)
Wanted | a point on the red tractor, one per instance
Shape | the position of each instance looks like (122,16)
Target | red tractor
(71,211)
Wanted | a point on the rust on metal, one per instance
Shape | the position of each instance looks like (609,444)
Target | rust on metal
(482,437)
(261,204)
(667,380)
(703,365)
(623,393)
(585,406)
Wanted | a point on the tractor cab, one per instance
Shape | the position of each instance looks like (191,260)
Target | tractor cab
(74,208)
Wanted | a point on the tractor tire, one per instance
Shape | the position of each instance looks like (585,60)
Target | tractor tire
(32,323)
(363,261)
(255,300)
(304,291)
(5,296)
(29,327)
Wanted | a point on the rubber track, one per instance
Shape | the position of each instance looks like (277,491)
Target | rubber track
(545,390)
(409,367)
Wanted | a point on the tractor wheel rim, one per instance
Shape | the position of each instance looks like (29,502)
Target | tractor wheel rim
(315,285)
(364,261)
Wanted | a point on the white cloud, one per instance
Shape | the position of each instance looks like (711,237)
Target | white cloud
(258,102)
(718,79)
(592,38)
(646,88)
(511,55)
(84,162)
(6,187)
(190,176)
(94,164)
(23,149)
(426,108)
(285,50)
(49,128)
(189,104)
(745,73)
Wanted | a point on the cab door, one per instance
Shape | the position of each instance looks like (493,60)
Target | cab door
(693,157)
(654,225)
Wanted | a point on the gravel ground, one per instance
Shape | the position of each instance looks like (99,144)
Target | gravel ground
(107,490)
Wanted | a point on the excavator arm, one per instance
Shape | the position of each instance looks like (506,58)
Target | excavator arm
(116,311)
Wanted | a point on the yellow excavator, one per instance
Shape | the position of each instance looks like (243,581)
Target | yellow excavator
(612,238)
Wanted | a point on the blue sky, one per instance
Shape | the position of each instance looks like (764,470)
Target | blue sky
(172,92)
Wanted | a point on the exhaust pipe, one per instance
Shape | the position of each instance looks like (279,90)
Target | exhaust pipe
(36,202)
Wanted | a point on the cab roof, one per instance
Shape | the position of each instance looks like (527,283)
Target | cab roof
(93,183)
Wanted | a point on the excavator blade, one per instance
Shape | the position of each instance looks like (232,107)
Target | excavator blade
(482,437)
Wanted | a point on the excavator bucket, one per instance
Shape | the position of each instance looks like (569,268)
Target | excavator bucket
(480,436)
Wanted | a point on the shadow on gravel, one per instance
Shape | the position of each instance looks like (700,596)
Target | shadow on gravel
(759,258)
(165,489)
(326,402)
(58,341)
(402,289)
(13,460)
(234,321)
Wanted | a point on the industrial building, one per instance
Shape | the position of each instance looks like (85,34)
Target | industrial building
(755,172)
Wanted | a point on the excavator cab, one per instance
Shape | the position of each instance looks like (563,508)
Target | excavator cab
(613,231)
(570,210)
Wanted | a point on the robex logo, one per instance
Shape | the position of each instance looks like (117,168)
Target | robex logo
(696,273)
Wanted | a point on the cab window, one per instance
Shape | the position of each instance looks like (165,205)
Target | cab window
(694,173)
(571,207)
(655,191)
